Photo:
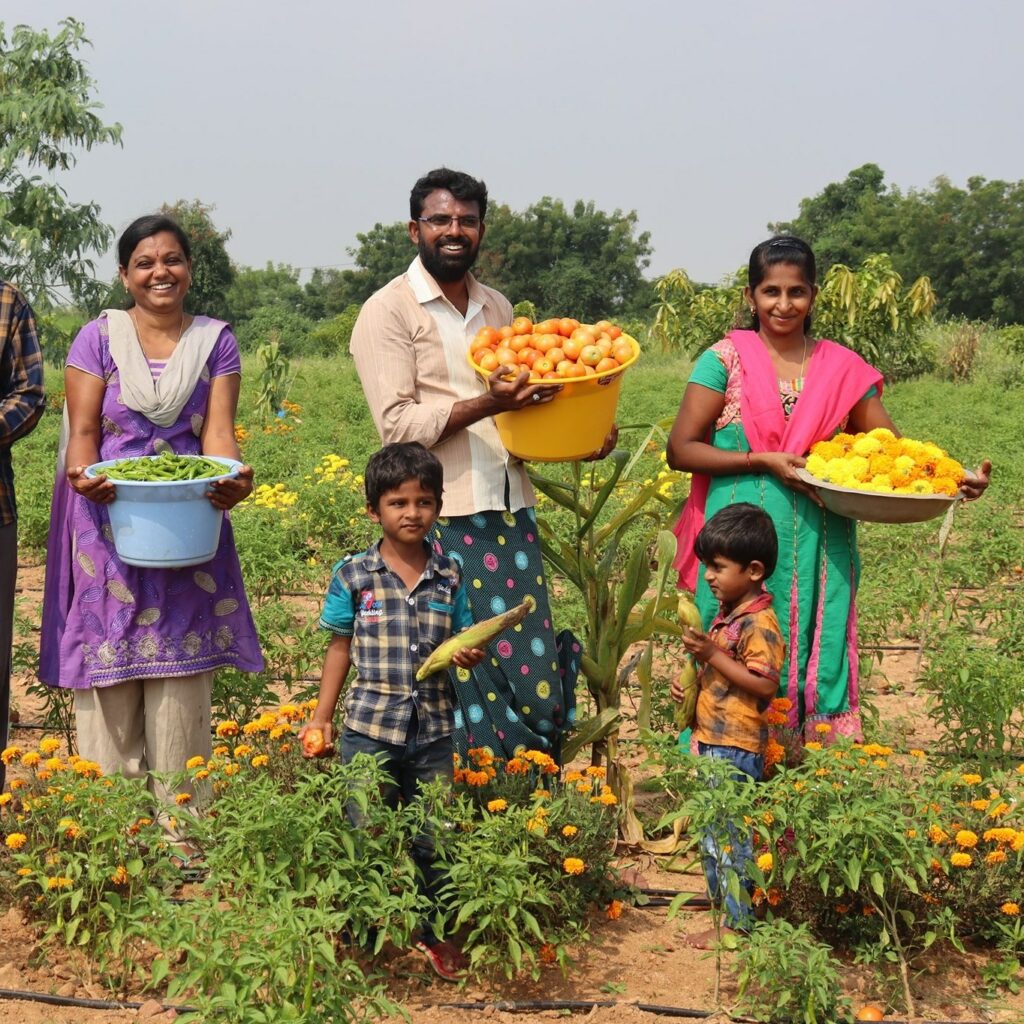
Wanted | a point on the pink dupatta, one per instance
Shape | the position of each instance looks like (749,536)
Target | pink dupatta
(836,380)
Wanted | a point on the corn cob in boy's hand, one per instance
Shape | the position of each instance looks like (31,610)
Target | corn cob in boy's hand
(687,612)
(478,635)
(684,693)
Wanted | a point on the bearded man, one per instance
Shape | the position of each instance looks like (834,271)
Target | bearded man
(410,347)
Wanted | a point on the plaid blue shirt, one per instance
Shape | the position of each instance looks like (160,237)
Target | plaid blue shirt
(393,630)
(21,386)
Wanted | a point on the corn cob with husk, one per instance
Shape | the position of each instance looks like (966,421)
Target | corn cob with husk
(478,635)
(687,611)
(687,682)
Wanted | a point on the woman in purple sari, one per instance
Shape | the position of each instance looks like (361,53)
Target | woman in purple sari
(139,646)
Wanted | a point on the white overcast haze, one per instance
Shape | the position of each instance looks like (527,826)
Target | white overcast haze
(306,122)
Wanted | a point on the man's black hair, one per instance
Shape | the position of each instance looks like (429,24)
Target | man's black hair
(465,188)
(390,467)
(742,533)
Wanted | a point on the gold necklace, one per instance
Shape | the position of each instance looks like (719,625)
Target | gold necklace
(138,333)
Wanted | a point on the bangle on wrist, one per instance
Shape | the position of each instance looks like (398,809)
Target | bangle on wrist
(750,465)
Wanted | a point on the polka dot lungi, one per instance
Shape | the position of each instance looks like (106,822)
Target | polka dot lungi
(522,695)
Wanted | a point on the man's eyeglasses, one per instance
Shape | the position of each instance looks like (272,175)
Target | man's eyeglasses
(441,221)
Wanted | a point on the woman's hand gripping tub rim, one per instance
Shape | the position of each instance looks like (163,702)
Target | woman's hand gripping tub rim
(227,493)
(783,466)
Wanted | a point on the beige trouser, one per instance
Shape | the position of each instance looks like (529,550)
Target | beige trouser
(144,726)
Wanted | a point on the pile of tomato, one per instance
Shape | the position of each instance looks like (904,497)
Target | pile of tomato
(553,349)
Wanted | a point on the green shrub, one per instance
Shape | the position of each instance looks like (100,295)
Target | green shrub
(291,330)
(332,337)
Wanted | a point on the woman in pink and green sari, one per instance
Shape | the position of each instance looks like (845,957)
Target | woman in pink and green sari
(754,404)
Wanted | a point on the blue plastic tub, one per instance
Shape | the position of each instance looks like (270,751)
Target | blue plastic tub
(165,525)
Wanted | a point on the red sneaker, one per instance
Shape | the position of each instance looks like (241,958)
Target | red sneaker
(445,957)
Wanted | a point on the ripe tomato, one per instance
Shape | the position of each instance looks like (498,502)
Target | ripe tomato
(522,325)
(571,348)
(542,366)
(505,332)
(488,361)
(606,364)
(584,335)
(567,325)
(602,326)
(547,327)
(313,743)
(623,351)
(870,1012)
(562,367)
(551,375)
(506,356)
(528,356)
(604,343)
(614,332)
(489,334)
(520,341)
(544,342)
(556,354)
(478,343)
(591,355)
(575,370)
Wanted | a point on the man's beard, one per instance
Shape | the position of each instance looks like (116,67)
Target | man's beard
(444,266)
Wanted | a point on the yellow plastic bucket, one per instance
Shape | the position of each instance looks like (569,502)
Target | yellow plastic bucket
(572,426)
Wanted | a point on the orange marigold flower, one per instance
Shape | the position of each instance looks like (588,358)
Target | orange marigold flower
(31,759)
(183,798)
(573,866)
(10,754)
(971,779)
(781,704)
(1010,909)
(936,834)
(227,728)
(16,840)
(283,729)
(614,911)
(999,835)
(596,771)
(774,752)
(911,833)
(16,784)
(774,897)
(242,750)
(494,806)
(24,872)
(120,875)
(966,839)
(999,810)
(961,860)
(548,954)
(917,753)
(49,745)
(516,766)
(260,761)
(980,804)
(231,769)
(203,773)
(221,751)
(59,882)
(608,799)
(573,776)
(569,831)
(774,717)
(995,857)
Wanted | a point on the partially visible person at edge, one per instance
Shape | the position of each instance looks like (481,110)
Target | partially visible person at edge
(754,404)
(409,344)
(139,646)
(21,404)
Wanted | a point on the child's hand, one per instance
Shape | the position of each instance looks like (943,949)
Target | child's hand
(699,644)
(468,657)
(315,738)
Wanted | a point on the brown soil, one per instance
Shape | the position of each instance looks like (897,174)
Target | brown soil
(639,958)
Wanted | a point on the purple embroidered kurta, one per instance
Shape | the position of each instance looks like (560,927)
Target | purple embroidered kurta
(105,622)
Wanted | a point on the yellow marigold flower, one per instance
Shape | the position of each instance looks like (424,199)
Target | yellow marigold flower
(541,794)
(911,833)
(1018,842)
(54,764)
(937,835)
(765,861)
(49,744)
(495,806)
(221,750)
(183,798)
(574,776)
(569,831)
(16,840)
(999,810)
(966,839)
(231,769)
(596,771)
(59,882)
(608,799)
(44,775)
(614,911)
(31,759)
(813,745)
(537,825)
(227,728)
(16,784)
(291,711)
(768,818)
(242,750)
(980,804)
(573,866)
(10,753)
(866,445)
(120,875)
(278,731)
(5,798)
(195,762)
(961,860)
(971,779)
(24,872)
(203,773)
(260,761)
(1010,909)
(995,857)
(999,835)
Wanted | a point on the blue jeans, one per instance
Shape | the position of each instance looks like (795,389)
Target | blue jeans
(408,765)
(737,852)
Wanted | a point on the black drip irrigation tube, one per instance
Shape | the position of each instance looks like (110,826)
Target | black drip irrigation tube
(85,1004)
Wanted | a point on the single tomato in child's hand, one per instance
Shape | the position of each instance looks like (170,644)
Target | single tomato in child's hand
(313,744)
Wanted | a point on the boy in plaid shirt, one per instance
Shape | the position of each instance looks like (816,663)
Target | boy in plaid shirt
(740,660)
(387,609)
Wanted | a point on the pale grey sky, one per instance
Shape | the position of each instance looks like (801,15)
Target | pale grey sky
(306,122)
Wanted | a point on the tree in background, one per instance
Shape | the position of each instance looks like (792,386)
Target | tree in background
(47,110)
(254,288)
(968,241)
(212,272)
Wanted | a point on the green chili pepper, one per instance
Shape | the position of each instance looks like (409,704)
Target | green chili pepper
(165,468)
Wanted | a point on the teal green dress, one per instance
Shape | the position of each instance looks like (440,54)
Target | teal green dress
(815,581)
